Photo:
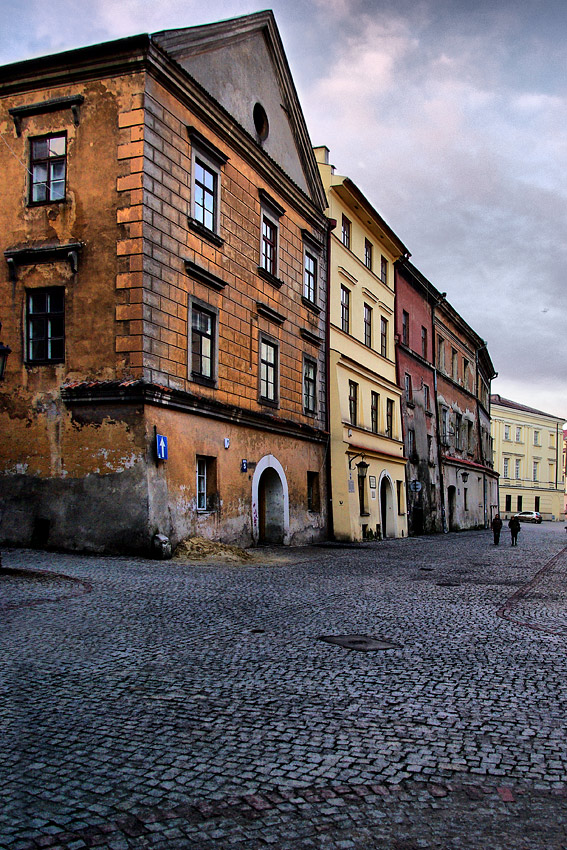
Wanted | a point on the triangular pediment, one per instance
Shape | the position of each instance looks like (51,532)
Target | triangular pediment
(241,64)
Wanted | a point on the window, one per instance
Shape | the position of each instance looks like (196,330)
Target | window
(551,440)
(368,254)
(506,432)
(506,467)
(405,327)
(519,502)
(269,256)
(353,402)
(345,232)
(389,418)
(309,385)
(368,325)
(46,325)
(400,493)
(313,496)
(454,364)
(508,503)
(424,342)
(345,309)
(48,160)
(440,352)
(206,163)
(465,372)
(458,430)
(374,412)
(384,270)
(411,442)
(536,503)
(205,195)
(408,388)
(268,371)
(310,278)
(518,435)
(202,343)
(445,425)
(470,436)
(383,337)
(535,470)
(206,483)
(466,498)
(426,397)
(517,469)
(536,438)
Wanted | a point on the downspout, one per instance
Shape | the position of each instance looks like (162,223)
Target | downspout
(331,224)
(482,458)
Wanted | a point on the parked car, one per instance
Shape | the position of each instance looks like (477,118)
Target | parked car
(529,516)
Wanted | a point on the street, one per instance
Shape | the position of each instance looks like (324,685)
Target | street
(149,704)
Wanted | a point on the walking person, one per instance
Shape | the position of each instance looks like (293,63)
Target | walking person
(496,529)
(514,526)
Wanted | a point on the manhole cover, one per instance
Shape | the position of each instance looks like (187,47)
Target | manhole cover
(363,643)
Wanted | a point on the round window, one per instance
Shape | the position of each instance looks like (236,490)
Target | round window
(261,122)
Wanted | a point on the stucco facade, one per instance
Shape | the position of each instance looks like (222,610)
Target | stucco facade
(528,453)
(364,397)
(160,292)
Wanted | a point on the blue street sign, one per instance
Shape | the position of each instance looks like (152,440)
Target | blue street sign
(161,446)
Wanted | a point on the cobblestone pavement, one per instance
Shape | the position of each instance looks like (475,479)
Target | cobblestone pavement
(176,706)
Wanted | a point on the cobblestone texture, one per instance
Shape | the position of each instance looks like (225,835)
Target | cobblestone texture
(164,705)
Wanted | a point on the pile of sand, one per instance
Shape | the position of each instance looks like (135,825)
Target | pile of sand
(200,549)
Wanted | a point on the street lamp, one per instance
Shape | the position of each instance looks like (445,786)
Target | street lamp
(5,350)
(465,477)
(362,467)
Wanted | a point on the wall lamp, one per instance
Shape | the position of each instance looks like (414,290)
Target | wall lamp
(5,350)
(361,466)
(464,476)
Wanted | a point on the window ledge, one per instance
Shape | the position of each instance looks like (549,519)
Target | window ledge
(204,381)
(271,278)
(267,402)
(204,232)
(204,276)
(310,305)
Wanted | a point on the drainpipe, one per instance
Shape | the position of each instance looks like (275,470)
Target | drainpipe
(331,224)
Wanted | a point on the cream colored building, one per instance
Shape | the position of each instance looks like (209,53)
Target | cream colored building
(528,454)
(367,449)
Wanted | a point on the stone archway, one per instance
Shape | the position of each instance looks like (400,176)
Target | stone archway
(387,506)
(270,503)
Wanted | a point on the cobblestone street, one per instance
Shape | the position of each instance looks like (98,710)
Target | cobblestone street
(168,705)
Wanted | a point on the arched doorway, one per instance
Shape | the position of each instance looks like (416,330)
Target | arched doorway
(387,519)
(270,503)
(452,502)
(270,508)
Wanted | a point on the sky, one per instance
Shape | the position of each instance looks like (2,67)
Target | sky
(451,117)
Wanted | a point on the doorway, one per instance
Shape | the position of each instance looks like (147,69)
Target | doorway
(452,500)
(387,507)
(270,503)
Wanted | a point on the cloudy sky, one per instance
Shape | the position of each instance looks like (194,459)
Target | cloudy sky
(450,115)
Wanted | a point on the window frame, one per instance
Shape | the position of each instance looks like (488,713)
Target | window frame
(424,342)
(405,327)
(213,160)
(48,161)
(506,468)
(47,317)
(205,477)
(346,230)
(368,249)
(310,276)
(374,412)
(309,381)
(367,322)
(197,306)
(345,309)
(408,389)
(384,337)
(390,418)
(273,345)
(384,269)
(353,403)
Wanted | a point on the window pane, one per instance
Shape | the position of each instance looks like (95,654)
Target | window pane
(56,301)
(56,349)
(57,170)
(37,349)
(39,148)
(57,146)
(37,302)
(57,192)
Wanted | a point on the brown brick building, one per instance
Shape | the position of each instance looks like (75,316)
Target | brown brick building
(164,239)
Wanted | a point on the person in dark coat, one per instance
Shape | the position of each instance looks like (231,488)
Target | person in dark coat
(514,526)
(496,529)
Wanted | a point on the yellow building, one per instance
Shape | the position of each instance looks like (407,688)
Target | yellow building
(366,441)
(528,449)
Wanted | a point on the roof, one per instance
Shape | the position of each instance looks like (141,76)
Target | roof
(495,398)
